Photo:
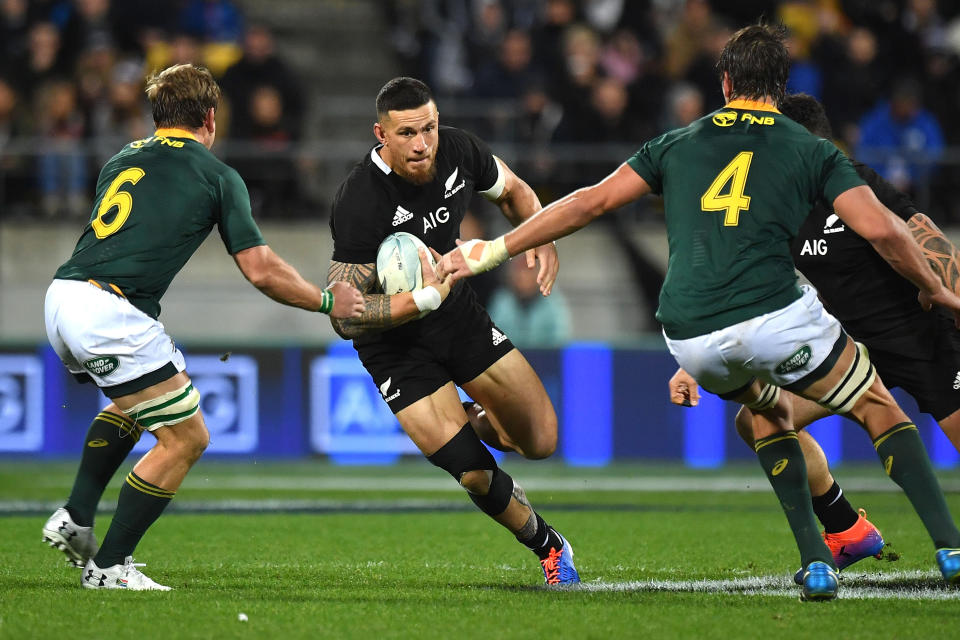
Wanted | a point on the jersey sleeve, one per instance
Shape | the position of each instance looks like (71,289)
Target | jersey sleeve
(237,227)
(836,171)
(646,162)
(356,236)
(483,166)
(891,197)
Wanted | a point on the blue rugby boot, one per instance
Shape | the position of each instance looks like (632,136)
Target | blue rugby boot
(820,582)
(558,569)
(949,561)
(860,541)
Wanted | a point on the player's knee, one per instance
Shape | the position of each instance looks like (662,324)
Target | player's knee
(543,441)
(469,462)
(744,423)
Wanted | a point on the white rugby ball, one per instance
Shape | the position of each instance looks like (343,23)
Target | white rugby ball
(398,263)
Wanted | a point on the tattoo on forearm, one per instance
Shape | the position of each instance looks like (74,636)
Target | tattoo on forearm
(376,316)
(940,253)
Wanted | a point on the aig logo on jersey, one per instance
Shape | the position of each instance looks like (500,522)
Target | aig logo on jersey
(21,403)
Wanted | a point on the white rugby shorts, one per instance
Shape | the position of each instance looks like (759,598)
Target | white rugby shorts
(780,347)
(104,336)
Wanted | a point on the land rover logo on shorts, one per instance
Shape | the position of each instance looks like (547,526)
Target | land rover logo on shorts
(102,366)
(794,362)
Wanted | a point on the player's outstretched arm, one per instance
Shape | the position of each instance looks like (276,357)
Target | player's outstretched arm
(277,279)
(382,311)
(942,256)
(518,202)
(559,219)
(859,208)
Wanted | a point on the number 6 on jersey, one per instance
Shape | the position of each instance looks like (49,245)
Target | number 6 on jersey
(122,200)
(734,201)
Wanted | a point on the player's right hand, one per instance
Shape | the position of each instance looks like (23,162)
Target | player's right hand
(430,278)
(942,298)
(347,300)
(684,390)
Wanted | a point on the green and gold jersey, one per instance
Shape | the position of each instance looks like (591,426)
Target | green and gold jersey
(156,202)
(736,184)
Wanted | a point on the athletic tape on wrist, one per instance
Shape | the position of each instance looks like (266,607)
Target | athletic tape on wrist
(326,302)
(482,256)
(427,299)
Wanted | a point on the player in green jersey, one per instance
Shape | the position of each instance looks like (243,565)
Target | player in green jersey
(156,201)
(737,184)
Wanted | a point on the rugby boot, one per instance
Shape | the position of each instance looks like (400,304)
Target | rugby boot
(119,576)
(78,543)
(860,541)
(820,582)
(558,567)
(949,562)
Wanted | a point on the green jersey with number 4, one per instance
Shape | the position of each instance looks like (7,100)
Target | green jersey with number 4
(736,184)
(156,202)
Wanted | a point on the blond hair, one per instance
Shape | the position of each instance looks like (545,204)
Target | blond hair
(181,95)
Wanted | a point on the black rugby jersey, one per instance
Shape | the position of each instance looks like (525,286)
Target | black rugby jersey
(874,303)
(373,202)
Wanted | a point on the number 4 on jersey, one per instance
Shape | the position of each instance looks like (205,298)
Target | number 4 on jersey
(734,201)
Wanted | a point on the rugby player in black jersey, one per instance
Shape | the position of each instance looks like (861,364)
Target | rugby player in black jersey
(419,178)
(916,350)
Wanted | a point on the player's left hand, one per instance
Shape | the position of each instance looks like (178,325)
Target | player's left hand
(549,265)
(684,390)
(943,298)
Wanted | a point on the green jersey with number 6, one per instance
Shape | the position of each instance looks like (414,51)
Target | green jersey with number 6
(156,202)
(736,184)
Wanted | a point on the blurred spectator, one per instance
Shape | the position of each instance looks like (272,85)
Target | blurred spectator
(269,169)
(446,28)
(123,111)
(686,39)
(528,318)
(14,25)
(43,62)
(684,105)
(261,67)
(140,25)
(61,166)
(511,72)
(548,37)
(702,72)
(218,25)
(581,57)
(89,25)
(805,76)
(14,174)
(854,80)
(900,138)
(622,57)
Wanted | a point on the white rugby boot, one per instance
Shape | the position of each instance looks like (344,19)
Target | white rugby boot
(78,543)
(119,576)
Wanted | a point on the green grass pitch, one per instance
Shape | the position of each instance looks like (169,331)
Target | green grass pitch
(310,550)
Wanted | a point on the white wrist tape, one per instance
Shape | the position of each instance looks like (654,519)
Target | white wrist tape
(427,299)
(481,255)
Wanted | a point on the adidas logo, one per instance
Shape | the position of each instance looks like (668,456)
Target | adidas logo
(400,216)
(498,337)
(448,184)
(956,382)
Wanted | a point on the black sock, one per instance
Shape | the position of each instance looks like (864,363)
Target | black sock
(833,511)
(139,506)
(905,461)
(109,439)
(544,539)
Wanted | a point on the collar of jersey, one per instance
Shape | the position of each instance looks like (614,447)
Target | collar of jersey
(173,132)
(377,160)
(751,105)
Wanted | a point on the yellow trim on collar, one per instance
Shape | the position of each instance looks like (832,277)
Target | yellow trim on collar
(752,105)
(174,132)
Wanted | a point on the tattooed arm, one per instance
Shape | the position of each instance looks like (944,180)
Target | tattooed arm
(943,257)
(381,311)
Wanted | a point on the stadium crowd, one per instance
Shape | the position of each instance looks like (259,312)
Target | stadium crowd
(556,73)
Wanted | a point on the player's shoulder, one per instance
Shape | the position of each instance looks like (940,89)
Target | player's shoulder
(363,185)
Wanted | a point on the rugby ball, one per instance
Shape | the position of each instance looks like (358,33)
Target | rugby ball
(398,263)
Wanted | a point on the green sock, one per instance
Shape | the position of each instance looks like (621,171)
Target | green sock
(109,439)
(782,460)
(139,505)
(905,460)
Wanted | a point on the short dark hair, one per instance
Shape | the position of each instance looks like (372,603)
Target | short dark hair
(181,95)
(806,110)
(757,62)
(401,94)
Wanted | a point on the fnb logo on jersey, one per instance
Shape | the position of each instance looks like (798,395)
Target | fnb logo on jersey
(724,118)
(21,403)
